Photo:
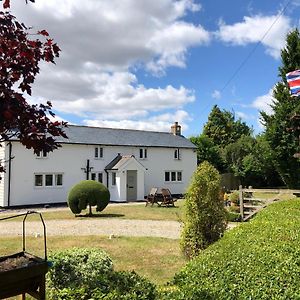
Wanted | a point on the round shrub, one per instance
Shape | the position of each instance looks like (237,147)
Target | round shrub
(205,215)
(234,197)
(88,193)
(78,268)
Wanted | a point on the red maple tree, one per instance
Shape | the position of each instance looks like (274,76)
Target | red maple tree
(20,55)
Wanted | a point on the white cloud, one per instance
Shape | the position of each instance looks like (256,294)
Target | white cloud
(157,123)
(252,30)
(216,94)
(103,43)
(263,102)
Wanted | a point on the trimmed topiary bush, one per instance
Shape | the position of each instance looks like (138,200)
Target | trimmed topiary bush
(205,215)
(88,274)
(88,193)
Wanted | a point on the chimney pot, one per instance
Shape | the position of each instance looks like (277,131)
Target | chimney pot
(176,129)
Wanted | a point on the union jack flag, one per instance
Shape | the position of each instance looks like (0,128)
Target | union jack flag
(293,79)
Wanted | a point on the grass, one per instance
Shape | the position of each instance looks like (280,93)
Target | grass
(156,258)
(128,211)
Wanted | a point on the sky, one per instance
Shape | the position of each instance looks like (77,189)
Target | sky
(144,64)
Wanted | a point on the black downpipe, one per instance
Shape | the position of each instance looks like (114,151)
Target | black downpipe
(9,173)
(106,178)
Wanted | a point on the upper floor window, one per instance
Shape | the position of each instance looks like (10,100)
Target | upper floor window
(41,154)
(177,154)
(143,153)
(98,152)
(97,176)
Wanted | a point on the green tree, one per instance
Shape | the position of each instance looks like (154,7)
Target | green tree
(208,151)
(205,216)
(222,127)
(283,142)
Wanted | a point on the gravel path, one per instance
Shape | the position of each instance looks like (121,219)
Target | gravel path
(109,227)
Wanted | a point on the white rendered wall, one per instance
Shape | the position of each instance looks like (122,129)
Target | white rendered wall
(70,159)
(2,159)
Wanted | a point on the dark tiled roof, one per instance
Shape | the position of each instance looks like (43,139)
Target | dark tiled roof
(123,137)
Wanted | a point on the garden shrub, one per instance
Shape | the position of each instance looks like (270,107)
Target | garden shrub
(88,193)
(234,197)
(256,260)
(88,274)
(204,216)
(233,216)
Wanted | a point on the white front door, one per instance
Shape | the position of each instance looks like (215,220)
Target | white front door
(131,185)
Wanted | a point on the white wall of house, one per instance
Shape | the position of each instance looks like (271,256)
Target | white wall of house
(2,159)
(72,158)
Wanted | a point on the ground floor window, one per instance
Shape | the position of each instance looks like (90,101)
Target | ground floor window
(48,179)
(97,176)
(173,176)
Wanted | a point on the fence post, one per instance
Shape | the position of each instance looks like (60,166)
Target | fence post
(241,200)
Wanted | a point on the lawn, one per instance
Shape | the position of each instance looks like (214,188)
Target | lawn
(137,211)
(156,258)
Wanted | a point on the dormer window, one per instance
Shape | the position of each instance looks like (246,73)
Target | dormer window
(41,154)
(177,154)
(98,152)
(143,153)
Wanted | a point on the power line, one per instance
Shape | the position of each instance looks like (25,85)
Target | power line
(252,51)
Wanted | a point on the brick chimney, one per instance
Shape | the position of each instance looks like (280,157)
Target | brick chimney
(176,129)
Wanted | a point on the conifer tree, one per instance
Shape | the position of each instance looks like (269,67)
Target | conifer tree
(283,141)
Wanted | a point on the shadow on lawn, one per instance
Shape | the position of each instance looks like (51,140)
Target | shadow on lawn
(100,216)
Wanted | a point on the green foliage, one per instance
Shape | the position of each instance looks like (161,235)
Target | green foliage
(208,151)
(233,216)
(88,193)
(283,142)
(234,197)
(256,260)
(222,127)
(205,215)
(89,274)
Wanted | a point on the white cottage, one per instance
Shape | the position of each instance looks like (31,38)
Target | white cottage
(128,162)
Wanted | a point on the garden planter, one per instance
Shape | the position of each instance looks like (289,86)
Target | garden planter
(22,273)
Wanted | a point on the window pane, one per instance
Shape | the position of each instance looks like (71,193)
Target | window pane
(49,180)
(175,154)
(179,176)
(44,153)
(93,176)
(96,152)
(58,179)
(141,153)
(101,152)
(173,176)
(100,177)
(38,180)
(113,178)
(145,153)
(167,176)
(38,154)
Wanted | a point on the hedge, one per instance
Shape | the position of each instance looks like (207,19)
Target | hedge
(256,260)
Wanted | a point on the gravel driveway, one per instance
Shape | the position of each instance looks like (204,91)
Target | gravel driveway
(110,227)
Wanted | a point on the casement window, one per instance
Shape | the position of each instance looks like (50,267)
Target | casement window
(41,154)
(98,152)
(97,176)
(48,180)
(113,178)
(177,154)
(143,153)
(173,176)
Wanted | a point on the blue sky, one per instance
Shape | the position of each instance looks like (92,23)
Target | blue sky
(144,64)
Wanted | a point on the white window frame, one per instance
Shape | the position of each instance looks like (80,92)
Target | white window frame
(97,176)
(177,154)
(54,180)
(170,176)
(143,153)
(41,154)
(98,152)
(113,178)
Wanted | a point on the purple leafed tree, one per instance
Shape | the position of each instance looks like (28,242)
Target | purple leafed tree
(21,52)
